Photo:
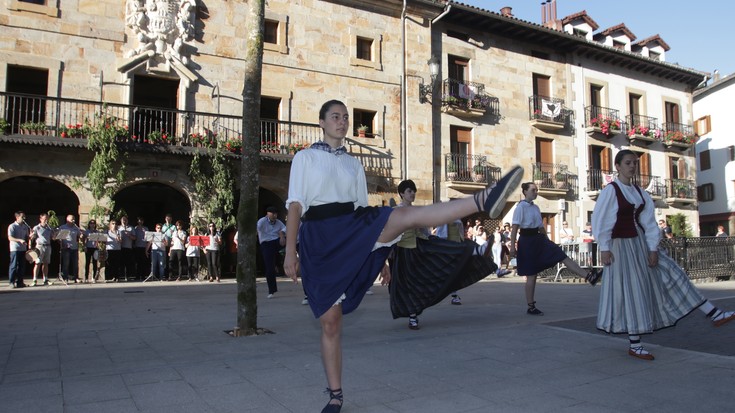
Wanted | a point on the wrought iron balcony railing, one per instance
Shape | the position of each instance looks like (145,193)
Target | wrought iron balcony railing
(646,127)
(469,168)
(603,118)
(679,133)
(681,188)
(598,178)
(72,118)
(554,176)
(549,109)
(468,95)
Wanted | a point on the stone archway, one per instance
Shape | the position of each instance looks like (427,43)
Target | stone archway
(152,201)
(34,195)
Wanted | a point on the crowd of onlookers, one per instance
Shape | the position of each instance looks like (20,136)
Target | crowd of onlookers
(118,251)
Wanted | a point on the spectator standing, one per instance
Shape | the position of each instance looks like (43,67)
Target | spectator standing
(588,247)
(721,231)
(42,234)
(665,229)
(127,233)
(177,253)
(113,247)
(566,235)
(212,252)
(90,247)
(156,250)
(142,262)
(168,229)
(192,255)
(18,233)
(272,237)
(70,249)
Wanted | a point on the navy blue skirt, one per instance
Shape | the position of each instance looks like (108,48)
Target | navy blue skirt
(536,253)
(336,257)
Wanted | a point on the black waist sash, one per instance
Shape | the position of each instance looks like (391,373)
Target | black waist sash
(321,212)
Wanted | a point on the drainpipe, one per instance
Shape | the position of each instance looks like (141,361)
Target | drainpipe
(404,89)
(436,135)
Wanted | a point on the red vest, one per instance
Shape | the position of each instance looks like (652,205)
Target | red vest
(628,216)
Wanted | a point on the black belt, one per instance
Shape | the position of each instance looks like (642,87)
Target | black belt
(529,231)
(335,209)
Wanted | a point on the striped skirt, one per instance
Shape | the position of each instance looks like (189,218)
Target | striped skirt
(423,276)
(638,299)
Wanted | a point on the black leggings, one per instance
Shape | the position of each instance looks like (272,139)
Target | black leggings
(89,258)
(213,263)
(193,267)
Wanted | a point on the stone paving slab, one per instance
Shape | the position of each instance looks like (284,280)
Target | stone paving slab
(161,347)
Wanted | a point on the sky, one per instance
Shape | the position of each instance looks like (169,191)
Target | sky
(698,32)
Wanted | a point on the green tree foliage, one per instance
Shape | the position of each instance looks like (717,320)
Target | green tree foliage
(107,170)
(214,187)
(679,225)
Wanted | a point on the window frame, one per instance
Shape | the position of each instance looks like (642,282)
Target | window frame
(281,45)
(51,11)
(376,51)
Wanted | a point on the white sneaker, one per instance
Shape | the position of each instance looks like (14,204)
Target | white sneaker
(305,301)
(270,295)
(369,292)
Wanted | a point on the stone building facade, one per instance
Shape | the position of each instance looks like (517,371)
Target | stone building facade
(504,92)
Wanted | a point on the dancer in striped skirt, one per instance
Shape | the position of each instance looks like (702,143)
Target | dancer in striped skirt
(644,289)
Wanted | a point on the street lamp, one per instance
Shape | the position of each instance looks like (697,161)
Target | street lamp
(425,90)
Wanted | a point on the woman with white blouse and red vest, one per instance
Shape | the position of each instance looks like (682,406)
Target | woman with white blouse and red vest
(644,290)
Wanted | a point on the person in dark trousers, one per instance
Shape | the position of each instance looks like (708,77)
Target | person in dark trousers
(272,237)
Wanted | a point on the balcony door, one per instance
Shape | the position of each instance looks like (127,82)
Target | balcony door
(459,147)
(600,167)
(28,81)
(269,128)
(458,70)
(158,99)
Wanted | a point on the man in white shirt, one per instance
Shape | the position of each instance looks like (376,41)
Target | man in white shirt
(272,237)
(566,236)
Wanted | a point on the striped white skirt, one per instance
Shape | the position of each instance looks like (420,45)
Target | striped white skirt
(638,299)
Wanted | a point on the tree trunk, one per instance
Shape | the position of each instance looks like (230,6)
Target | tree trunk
(247,212)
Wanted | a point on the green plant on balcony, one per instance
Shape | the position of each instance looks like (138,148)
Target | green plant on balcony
(362,131)
(561,179)
(33,128)
(681,189)
(451,170)
(4,126)
(538,176)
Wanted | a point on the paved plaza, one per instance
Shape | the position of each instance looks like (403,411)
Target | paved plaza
(162,347)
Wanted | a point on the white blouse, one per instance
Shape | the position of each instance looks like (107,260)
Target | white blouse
(319,177)
(527,215)
(606,213)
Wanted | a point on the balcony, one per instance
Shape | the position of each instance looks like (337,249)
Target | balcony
(599,178)
(549,114)
(469,172)
(468,99)
(680,191)
(69,121)
(602,123)
(554,180)
(678,136)
(643,130)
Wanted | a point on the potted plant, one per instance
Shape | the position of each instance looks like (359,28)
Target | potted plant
(4,126)
(607,126)
(154,137)
(234,145)
(538,176)
(33,128)
(478,173)
(451,171)
(561,180)
(681,189)
(362,130)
